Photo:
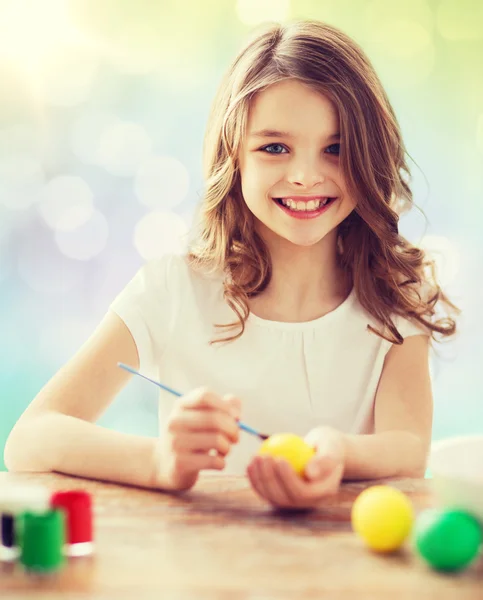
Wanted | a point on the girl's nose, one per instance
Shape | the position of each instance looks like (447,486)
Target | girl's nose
(306,174)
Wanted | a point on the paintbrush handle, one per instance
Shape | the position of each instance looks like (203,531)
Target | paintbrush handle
(175,393)
(134,372)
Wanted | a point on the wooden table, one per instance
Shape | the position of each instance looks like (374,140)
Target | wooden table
(219,541)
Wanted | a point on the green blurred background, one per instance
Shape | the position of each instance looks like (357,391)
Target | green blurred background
(102,113)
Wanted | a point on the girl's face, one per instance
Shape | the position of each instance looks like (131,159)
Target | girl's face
(291,152)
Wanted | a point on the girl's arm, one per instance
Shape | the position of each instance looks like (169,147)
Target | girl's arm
(403,418)
(398,448)
(57,430)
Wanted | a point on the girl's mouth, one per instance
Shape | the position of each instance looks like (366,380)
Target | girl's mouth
(304,210)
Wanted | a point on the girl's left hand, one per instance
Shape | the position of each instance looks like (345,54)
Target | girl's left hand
(276,481)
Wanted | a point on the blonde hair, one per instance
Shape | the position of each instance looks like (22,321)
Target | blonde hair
(388,273)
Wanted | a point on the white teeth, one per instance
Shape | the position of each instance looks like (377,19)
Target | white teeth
(304,206)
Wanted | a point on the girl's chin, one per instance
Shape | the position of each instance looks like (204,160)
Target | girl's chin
(275,239)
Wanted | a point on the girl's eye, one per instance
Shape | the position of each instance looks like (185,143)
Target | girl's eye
(336,147)
(276,146)
(278,149)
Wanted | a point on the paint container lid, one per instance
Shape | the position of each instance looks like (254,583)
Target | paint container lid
(16,499)
(77,505)
(42,541)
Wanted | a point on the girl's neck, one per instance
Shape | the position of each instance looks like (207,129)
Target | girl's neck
(306,283)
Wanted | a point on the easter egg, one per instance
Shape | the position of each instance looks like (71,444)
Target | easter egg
(383,517)
(447,539)
(289,446)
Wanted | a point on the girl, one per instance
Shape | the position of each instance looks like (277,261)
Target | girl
(298,240)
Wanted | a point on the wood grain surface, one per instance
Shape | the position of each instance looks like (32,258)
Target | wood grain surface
(220,541)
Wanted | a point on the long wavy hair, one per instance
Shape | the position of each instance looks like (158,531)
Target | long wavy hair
(390,276)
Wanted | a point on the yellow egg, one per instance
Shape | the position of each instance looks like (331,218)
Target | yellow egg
(383,516)
(289,446)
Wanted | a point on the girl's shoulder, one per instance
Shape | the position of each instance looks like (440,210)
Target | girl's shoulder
(409,326)
(405,324)
(174,265)
(165,285)
(177,273)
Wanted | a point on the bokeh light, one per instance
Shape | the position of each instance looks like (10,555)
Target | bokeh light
(42,267)
(23,138)
(21,181)
(123,147)
(159,233)
(85,134)
(85,241)
(67,203)
(161,182)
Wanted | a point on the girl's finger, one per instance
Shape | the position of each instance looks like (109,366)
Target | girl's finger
(203,398)
(205,421)
(201,442)
(188,462)
(327,486)
(286,477)
(274,491)
(235,405)
(319,467)
(316,491)
(253,472)
(306,494)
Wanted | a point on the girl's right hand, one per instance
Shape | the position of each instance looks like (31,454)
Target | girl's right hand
(198,435)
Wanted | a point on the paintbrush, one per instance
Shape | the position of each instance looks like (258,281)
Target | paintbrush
(262,436)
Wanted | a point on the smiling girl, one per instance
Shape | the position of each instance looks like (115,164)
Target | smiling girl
(299,306)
